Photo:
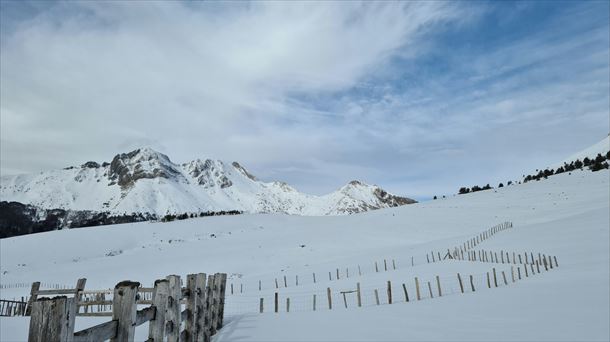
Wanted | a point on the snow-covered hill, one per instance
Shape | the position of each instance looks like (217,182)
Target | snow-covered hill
(602,147)
(565,216)
(146,181)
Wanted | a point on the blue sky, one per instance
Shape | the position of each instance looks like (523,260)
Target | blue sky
(417,97)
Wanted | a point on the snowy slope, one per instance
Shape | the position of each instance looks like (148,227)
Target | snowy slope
(146,181)
(565,216)
(602,147)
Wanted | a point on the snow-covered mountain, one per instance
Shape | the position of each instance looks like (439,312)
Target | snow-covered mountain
(146,181)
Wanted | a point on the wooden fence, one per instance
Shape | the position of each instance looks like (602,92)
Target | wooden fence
(52,319)
(416,290)
(12,307)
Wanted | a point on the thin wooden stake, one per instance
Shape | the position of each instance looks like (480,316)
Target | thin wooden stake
(404,288)
(471,283)
(376,296)
(438,284)
(460,281)
(389,292)
(417,289)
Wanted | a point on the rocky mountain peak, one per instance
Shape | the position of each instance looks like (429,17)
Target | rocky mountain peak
(126,168)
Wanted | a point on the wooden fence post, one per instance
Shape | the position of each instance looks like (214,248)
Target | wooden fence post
(173,314)
(287,304)
(330,301)
(471,283)
(344,299)
(209,308)
(80,286)
(404,288)
(314,277)
(438,284)
(385,265)
(51,320)
(376,296)
(417,289)
(430,289)
(222,283)
(512,273)
(156,327)
(337,274)
(358,294)
(285,282)
(525,267)
(488,283)
(389,292)
(314,302)
(191,316)
(495,277)
(260,306)
(276,302)
(504,277)
(461,285)
(33,297)
(124,310)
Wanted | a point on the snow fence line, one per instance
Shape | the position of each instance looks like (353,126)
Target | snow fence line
(388,264)
(199,305)
(420,289)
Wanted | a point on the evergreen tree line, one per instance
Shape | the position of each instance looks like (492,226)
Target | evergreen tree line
(600,162)
(172,217)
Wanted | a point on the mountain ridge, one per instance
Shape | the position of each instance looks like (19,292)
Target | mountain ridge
(147,181)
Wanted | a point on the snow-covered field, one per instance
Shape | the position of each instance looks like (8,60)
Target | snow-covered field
(566,216)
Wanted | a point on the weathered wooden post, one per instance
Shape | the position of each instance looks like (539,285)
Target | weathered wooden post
(221,298)
(191,316)
(124,310)
(537,266)
(287,304)
(504,277)
(330,301)
(438,285)
(276,302)
(471,283)
(156,327)
(556,264)
(376,296)
(488,283)
(430,289)
(173,313)
(495,277)
(260,306)
(404,288)
(389,292)
(51,319)
(460,281)
(417,293)
(314,302)
(385,265)
(33,297)
(209,308)
(358,294)
(285,282)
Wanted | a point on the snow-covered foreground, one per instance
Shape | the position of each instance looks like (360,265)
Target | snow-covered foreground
(566,216)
